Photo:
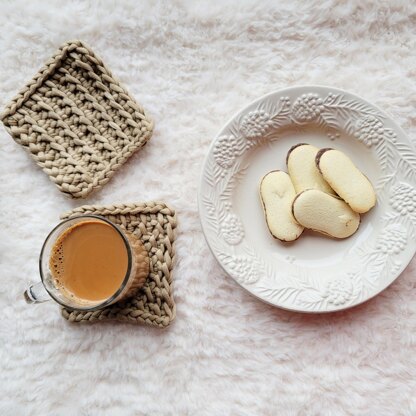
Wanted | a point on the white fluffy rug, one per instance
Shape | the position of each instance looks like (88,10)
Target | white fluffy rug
(192,66)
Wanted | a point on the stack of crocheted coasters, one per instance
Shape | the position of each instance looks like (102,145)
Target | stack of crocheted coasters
(154,224)
(77,121)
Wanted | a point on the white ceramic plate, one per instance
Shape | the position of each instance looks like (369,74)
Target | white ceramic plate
(314,273)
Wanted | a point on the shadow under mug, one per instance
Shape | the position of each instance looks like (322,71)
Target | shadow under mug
(47,289)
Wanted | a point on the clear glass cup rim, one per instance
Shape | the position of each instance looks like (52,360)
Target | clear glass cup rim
(126,277)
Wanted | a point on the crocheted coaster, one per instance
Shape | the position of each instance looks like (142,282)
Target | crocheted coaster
(154,223)
(77,121)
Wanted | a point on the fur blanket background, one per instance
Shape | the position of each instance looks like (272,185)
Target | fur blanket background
(193,65)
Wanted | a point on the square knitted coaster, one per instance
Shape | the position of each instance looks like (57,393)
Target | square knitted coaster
(154,223)
(77,121)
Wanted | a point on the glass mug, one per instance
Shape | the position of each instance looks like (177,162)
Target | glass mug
(137,269)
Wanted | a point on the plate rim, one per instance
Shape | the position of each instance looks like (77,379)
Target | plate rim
(235,115)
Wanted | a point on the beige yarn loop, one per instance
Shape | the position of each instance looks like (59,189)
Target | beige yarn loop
(154,224)
(79,124)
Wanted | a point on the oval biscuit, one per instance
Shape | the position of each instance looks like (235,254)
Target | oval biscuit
(325,213)
(302,169)
(346,179)
(277,194)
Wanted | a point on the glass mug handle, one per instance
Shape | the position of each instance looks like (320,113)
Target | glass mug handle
(36,293)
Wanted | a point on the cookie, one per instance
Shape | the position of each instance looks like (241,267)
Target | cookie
(277,194)
(302,169)
(324,213)
(346,179)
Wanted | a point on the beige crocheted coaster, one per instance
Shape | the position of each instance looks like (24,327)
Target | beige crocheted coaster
(154,223)
(77,121)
